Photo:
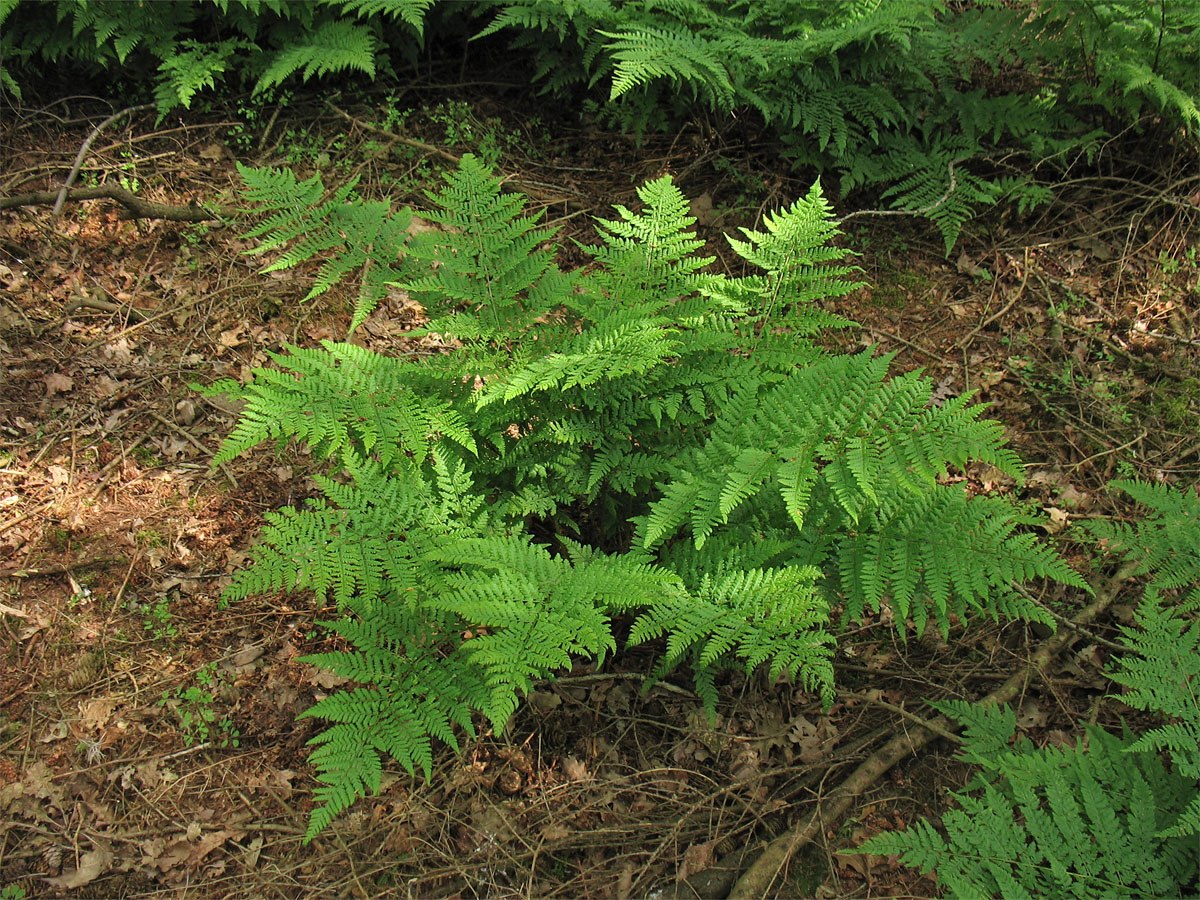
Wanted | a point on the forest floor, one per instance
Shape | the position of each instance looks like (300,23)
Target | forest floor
(148,738)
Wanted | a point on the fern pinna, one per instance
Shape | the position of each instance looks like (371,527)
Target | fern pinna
(641,438)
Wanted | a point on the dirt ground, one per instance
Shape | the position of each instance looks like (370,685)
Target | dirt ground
(148,738)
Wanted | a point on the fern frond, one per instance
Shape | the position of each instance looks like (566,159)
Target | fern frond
(489,258)
(411,12)
(193,67)
(837,423)
(351,235)
(1160,675)
(345,402)
(756,617)
(1075,822)
(650,255)
(944,554)
(800,264)
(675,53)
(1165,542)
(333,46)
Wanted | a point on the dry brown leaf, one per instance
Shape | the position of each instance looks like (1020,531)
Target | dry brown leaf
(575,770)
(95,713)
(696,858)
(206,844)
(251,853)
(1059,519)
(119,351)
(92,865)
(58,384)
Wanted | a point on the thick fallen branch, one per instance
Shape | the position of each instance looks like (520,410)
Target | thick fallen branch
(135,206)
(756,881)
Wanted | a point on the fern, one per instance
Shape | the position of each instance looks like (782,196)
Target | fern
(347,404)
(488,258)
(332,47)
(194,66)
(1115,815)
(604,410)
(1165,543)
(352,236)
(1163,670)
(758,617)
(1081,822)
(187,48)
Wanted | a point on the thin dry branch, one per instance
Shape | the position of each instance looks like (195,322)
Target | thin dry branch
(61,196)
(526,187)
(135,206)
(756,881)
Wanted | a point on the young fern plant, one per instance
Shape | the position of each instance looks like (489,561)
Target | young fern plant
(1116,814)
(640,438)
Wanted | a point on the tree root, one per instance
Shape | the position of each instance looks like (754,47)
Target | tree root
(756,882)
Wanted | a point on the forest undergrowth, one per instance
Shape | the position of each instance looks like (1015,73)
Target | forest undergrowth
(149,740)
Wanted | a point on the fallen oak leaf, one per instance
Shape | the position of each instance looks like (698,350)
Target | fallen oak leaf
(92,865)
(58,384)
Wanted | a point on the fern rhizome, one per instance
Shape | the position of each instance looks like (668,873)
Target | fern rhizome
(641,438)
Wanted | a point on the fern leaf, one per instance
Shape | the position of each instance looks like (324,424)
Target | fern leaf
(646,54)
(333,46)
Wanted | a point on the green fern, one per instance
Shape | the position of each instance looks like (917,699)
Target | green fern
(333,46)
(487,260)
(1165,543)
(1083,821)
(604,410)
(194,67)
(351,235)
(1162,672)
(187,48)
(1109,816)
(347,403)
(758,617)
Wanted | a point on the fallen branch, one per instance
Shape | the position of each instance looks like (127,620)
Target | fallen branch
(90,301)
(135,206)
(756,881)
(61,196)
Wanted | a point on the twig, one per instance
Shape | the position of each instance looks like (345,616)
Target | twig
(135,206)
(1020,292)
(904,713)
(79,157)
(757,880)
(620,676)
(923,211)
(1075,626)
(44,571)
(88,301)
(195,443)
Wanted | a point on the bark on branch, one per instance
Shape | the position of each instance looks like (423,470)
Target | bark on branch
(135,206)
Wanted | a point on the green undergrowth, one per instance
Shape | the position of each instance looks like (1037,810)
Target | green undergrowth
(939,108)
(1116,814)
(640,446)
